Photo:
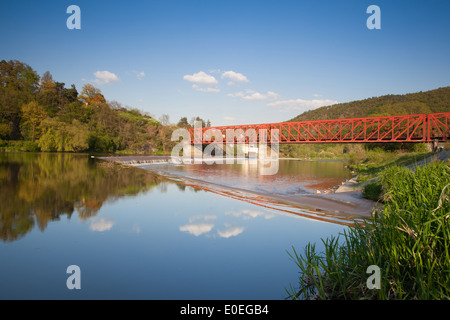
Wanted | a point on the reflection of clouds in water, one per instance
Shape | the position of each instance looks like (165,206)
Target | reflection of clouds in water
(246,214)
(230,232)
(199,225)
(101,225)
(198,228)
(202,218)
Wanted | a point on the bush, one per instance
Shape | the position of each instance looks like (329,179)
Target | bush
(100,143)
(30,146)
(372,191)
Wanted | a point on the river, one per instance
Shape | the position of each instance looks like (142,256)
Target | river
(160,231)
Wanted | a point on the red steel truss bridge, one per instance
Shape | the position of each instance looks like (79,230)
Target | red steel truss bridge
(401,128)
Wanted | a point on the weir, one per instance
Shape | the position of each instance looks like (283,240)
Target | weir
(139,160)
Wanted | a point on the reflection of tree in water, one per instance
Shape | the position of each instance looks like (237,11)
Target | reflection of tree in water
(38,188)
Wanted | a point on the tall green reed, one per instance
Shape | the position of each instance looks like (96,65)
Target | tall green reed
(408,238)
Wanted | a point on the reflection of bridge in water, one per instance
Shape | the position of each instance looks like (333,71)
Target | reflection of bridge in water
(280,206)
(402,128)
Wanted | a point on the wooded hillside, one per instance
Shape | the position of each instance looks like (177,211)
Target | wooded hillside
(41,114)
(432,101)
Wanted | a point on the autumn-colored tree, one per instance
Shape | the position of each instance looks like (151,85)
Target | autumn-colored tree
(48,94)
(32,116)
(91,95)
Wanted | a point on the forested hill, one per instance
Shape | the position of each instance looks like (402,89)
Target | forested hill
(432,101)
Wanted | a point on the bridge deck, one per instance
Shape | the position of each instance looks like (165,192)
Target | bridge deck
(401,128)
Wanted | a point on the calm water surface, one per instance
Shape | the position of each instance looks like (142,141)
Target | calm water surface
(136,234)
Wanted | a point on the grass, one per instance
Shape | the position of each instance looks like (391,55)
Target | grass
(136,116)
(408,239)
(375,162)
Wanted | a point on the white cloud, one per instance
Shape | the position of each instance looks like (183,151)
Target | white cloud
(202,82)
(101,225)
(141,75)
(204,89)
(215,71)
(239,94)
(258,96)
(234,77)
(201,78)
(300,104)
(228,118)
(254,96)
(105,77)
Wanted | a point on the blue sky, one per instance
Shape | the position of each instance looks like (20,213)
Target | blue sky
(233,62)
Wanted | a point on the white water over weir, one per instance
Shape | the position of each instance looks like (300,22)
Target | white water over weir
(147,160)
(139,160)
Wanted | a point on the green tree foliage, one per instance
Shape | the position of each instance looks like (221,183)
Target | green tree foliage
(32,116)
(53,95)
(18,86)
(5,130)
(58,136)
(183,123)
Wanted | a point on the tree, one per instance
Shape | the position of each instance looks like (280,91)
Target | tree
(91,95)
(53,96)
(183,123)
(74,110)
(48,94)
(18,76)
(32,116)
(58,136)
(5,130)
(195,119)
(46,77)
(71,95)
(165,120)
(79,133)
(18,86)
